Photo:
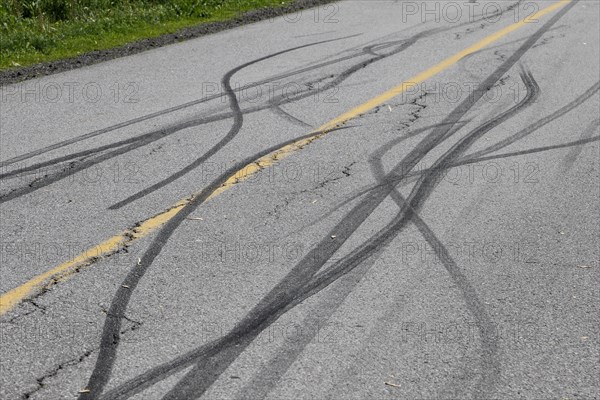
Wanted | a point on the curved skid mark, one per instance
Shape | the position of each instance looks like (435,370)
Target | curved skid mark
(169,221)
(289,117)
(134,143)
(238,116)
(246,169)
(146,117)
(150,137)
(267,378)
(238,120)
(409,213)
(219,354)
(479,155)
(153,136)
(156,114)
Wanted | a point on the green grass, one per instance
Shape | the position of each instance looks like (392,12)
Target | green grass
(34,31)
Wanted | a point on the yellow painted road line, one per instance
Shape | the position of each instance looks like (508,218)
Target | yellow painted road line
(13,297)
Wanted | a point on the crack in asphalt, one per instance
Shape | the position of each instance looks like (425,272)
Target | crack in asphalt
(55,371)
(277,210)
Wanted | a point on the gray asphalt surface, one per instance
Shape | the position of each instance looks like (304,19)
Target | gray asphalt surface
(443,245)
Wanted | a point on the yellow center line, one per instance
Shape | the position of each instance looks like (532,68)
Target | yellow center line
(13,297)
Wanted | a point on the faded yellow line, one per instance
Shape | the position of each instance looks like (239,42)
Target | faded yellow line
(13,297)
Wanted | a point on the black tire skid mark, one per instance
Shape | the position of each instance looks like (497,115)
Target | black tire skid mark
(192,103)
(567,145)
(150,137)
(218,355)
(412,176)
(276,102)
(157,133)
(289,117)
(229,345)
(167,130)
(538,124)
(267,378)
(529,151)
(445,257)
(205,373)
(480,156)
(169,110)
(133,143)
(531,90)
(136,274)
(360,192)
(112,326)
(490,364)
(475,306)
(572,156)
(238,120)
(282,99)
(463,64)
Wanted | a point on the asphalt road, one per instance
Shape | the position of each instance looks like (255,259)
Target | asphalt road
(367,200)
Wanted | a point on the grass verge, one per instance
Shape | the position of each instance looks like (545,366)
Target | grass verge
(36,31)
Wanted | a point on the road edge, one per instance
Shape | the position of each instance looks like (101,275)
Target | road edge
(94,57)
